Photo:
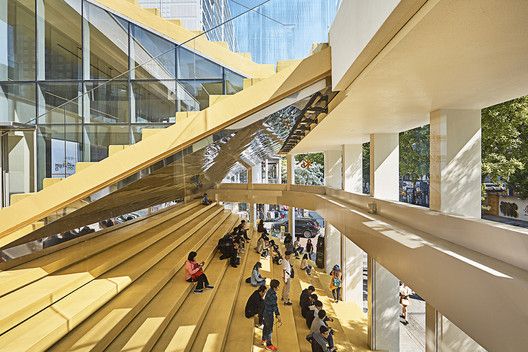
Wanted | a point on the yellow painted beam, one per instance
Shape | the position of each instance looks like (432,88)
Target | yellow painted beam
(82,165)
(182,115)
(19,196)
(222,44)
(171,140)
(283,64)
(248,82)
(47,182)
(215,98)
(114,149)
(246,55)
(154,11)
(175,21)
(149,132)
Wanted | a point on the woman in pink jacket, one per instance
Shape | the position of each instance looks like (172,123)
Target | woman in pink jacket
(194,273)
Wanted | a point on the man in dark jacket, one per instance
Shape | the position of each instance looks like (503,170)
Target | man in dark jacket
(270,309)
(305,307)
(255,306)
(305,295)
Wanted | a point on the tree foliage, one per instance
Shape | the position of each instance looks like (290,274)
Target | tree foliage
(505,144)
(414,153)
(309,169)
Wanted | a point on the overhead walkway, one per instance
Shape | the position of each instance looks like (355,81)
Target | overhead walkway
(434,253)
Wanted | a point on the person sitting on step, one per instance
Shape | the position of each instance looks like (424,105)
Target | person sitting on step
(314,310)
(256,278)
(305,266)
(194,273)
(307,306)
(243,230)
(205,199)
(320,321)
(305,295)
(255,306)
(297,248)
(320,340)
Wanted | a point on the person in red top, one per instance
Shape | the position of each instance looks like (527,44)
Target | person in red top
(194,273)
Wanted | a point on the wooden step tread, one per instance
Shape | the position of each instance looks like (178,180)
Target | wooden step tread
(145,330)
(241,330)
(213,333)
(62,316)
(100,329)
(28,272)
(21,304)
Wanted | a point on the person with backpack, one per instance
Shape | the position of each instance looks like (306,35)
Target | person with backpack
(288,275)
(336,277)
(271,310)
(194,273)
(256,278)
(255,306)
(319,340)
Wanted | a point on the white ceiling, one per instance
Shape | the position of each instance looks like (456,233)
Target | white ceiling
(460,54)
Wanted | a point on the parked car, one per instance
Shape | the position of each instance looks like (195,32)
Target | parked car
(304,227)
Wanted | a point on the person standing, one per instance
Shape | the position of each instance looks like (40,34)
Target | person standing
(310,250)
(287,274)
(405,292)
(336,278)
(271,309)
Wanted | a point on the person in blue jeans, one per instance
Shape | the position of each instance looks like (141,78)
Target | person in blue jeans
(271,310)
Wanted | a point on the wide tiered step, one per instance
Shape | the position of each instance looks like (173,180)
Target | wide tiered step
(39,313)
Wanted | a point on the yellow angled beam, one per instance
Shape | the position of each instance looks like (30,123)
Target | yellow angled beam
(50,181)
(248,82)
(174,21)
(114,149)
(215,98)
(281,65)
(246,55)
(182,115)
(170,140)
(149,132)
(222,44)
(82,165)
(19,196)
(154,11)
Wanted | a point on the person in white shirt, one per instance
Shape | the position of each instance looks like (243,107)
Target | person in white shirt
(405,292)
(287,274)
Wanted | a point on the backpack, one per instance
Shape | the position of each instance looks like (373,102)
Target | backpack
(292,274)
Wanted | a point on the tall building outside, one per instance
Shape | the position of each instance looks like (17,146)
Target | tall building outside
(282,30)
(199,15)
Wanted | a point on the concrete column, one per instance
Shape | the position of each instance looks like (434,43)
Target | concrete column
(291,222)
(332,169)
(431,337)
(290,170)
(332,247)
(352,178)
(455,166)
(352,264)
(383,308)
(256,172)
(4,36)
(384,166)
(266,172)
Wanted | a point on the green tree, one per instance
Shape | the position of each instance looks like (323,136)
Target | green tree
(309,169)
(414,153)
(505,144)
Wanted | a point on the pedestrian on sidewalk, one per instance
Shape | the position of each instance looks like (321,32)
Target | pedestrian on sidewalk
(287,274)
(271,310)
(405,292)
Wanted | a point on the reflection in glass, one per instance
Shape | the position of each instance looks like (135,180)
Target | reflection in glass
(17,40)
(192,66)
(155,101)
(233,82)
(65,95)
(194,95)
(97,138)
(59,149)
(63,39)
(108,103)
(108,43)
(156,55)
(17,102)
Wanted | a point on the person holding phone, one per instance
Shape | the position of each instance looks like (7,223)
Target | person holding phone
(194,273)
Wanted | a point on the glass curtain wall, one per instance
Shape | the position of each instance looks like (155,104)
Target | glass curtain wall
(53,51)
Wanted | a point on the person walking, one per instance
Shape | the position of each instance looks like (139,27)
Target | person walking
(287,274)
(336,278)
(194,273)
(271,310)
(255,306)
